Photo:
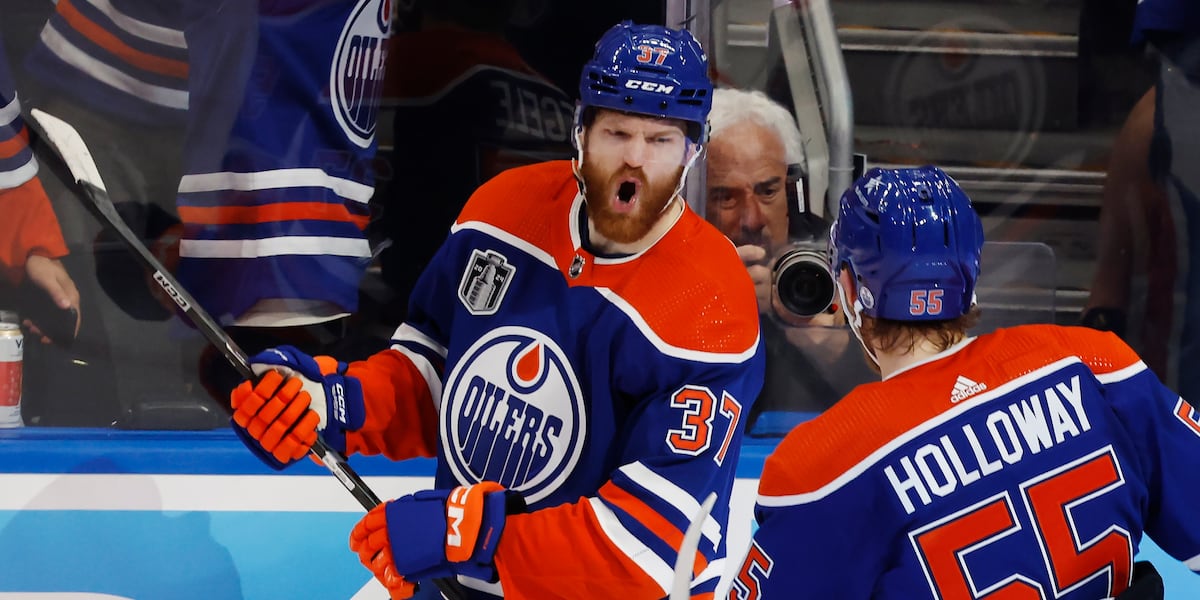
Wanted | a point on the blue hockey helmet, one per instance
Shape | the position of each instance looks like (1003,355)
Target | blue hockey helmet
(649,70)
(912,242)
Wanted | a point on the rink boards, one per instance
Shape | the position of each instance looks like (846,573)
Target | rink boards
(104,515)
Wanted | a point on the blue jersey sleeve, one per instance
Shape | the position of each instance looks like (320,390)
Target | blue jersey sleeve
(1165,431)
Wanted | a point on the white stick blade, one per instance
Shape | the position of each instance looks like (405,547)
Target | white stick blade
(70,146)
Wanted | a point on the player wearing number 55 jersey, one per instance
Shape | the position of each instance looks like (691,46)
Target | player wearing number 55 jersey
(582,341)
(1026,463)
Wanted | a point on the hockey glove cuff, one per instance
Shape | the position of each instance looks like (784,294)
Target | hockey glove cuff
(444,533)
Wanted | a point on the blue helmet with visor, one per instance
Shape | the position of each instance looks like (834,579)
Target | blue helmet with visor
(648,70)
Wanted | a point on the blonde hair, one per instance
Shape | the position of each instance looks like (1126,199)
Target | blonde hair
(891,336)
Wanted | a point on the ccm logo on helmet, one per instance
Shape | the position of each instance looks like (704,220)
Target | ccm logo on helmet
(649,86)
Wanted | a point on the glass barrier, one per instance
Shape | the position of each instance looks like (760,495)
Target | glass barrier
(1043,111)
(363,166)
(1023,102)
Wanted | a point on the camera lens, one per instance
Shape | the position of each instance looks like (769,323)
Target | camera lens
(804,283)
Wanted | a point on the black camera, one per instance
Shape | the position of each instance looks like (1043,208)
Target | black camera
(803,282)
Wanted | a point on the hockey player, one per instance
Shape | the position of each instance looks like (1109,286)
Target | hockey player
(1024,463)
(582,342)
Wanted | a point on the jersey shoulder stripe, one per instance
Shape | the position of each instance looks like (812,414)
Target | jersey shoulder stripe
(819,456)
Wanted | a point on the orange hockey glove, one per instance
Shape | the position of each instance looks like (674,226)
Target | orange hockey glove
(370,540)
(280,423)
(273,419)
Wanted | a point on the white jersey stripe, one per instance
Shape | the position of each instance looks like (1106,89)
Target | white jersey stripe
(858,469)
(298,245)
(654,566)
(111,76)
(1122,374)
(19,175)
(9,112)
(541,255)
(274,179)
(408,333)
(428,373)
(714,569)
(147,31)
(1193,563)
(676,496)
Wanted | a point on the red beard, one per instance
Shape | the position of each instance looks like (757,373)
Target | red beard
(631,227)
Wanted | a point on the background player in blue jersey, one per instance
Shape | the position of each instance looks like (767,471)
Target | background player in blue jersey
(582,342)
(1024,463)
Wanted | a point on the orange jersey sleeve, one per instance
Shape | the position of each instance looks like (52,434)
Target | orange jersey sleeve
(401,418)
(563,552)
(29,227)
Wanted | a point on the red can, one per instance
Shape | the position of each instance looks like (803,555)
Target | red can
(11,352)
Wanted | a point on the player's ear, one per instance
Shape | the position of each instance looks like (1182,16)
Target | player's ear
(846,281)
(577,127)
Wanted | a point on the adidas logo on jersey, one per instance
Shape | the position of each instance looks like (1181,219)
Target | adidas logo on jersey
(965,388)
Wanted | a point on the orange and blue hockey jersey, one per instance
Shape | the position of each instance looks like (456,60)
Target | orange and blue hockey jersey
(609,391)
(1025,463)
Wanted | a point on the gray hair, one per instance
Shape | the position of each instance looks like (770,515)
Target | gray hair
(732,106)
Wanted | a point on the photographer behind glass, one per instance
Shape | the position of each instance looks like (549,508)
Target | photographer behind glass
(755,196)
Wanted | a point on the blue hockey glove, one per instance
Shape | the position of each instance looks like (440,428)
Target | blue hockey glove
(279,422)
(437,533)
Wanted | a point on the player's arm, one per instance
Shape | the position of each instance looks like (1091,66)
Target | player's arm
(624,540)
(399,388)
(1129,193)
(1164,430)
(382,405)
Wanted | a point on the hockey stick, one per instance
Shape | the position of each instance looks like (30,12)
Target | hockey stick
(66,143)
(681,588)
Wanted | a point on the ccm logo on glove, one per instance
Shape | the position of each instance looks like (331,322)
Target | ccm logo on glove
(464,521)
(339,401)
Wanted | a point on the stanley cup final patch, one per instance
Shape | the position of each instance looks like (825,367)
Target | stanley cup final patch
(485,281)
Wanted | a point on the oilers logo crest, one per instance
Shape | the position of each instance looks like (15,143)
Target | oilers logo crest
(485,281)
(513,413)
(356,76)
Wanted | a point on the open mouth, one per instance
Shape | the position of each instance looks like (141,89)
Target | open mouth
(626,192)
